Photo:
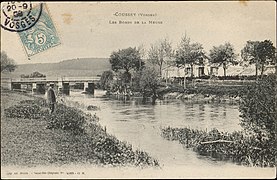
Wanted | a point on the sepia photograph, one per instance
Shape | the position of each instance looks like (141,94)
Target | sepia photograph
(151,89)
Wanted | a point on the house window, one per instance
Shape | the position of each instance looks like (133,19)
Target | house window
(201,71)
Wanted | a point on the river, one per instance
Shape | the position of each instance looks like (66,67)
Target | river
(140,125)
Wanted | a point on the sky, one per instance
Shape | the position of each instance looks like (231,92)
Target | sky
(86,29)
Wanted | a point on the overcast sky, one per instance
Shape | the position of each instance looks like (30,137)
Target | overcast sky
(85,30)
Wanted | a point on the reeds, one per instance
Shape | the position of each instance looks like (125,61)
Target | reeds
(237,146)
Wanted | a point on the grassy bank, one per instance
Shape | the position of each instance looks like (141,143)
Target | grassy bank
(30,136)
(207,91)
(249,150)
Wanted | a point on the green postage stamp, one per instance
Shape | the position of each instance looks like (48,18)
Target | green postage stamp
(42,36)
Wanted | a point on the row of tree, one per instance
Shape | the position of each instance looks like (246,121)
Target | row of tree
(142,70)
(188,53)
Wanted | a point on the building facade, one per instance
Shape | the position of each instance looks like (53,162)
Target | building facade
(207,70)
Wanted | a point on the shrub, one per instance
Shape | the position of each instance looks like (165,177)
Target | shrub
(98,146)
(93,108)
(258,107)
(66,118)
(27,109)
(39,101)
(236,146)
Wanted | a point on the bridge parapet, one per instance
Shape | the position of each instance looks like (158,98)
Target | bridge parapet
(81,79)
(18,83)
(59,79)
(27,79)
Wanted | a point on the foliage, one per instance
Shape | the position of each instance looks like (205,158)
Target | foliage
(7,64)
(126,59)
(106,79)
(93,108)
(223,55)
(258,107)
(112,151)
(260,53)
(66,118)
(25,109)
(160,53)
(125,77)
(189,53)
(35,74)
(147,82)
(77,138)
(236,146)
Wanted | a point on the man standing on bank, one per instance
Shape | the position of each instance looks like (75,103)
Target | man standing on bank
(51,98)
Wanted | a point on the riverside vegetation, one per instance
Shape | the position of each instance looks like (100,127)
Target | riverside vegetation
(82,138)
(235,146)
(256,145)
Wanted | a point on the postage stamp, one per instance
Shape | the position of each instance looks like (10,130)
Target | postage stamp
(42,36)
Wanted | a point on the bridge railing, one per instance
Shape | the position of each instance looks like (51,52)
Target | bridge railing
(50,79)
(80,78)
(27,79)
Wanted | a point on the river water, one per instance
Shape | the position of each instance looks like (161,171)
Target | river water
(140,125)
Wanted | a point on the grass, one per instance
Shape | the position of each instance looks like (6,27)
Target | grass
(249,150)
(33,137)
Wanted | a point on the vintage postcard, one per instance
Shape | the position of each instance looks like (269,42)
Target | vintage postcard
(138,89)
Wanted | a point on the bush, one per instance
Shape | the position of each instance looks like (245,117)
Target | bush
(27,109)
(95,144)
(39,101)
(111,151)
(258,107)
(106,80)
(66,118)
(236,146)
(93,108)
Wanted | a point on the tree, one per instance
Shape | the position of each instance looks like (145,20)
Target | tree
(147,82)
(126,59)
(266,53)
(159,53)
(7,64)
(189,53)
(249,54)
(35,74)
(106,79)
(258,107)
(259,53)
(223,55)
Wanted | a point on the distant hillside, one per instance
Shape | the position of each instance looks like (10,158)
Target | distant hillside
(74,67)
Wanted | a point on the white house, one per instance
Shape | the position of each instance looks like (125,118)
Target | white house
(198,71)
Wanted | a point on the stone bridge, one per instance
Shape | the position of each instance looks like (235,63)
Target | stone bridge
(61,84)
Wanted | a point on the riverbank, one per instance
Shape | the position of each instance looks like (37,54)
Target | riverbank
(182,162)
(248,150)
(197,93)
(206,93)
(31,137)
